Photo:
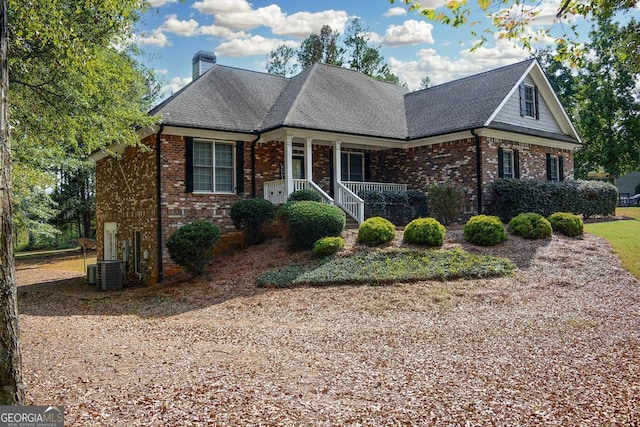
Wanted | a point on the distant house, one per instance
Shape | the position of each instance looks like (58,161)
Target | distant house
(627,188)
(233,134)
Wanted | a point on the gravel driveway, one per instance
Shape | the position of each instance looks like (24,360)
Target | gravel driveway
(556,345)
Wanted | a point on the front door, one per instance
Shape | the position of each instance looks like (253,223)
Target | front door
(110,241)
(297,166)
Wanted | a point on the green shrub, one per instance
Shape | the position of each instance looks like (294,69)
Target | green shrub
(309,221)
(249,215)
(191,246)
(566,223)
(327,246)
(511,197)
(374,203)
(376,231)
(530,225)
(302,195)
(484,230)
(418,203)
(446,201)
(424,231)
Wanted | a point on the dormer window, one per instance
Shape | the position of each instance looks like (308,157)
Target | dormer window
(529,101)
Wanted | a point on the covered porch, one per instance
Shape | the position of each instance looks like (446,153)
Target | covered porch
(348,175)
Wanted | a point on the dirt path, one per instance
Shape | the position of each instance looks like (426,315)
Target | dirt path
(558,344)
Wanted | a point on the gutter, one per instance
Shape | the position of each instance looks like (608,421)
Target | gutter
(159,188)
(478,170)
(253,164)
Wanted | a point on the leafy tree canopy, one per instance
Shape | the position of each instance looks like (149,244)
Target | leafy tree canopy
(511,19)
(355,50)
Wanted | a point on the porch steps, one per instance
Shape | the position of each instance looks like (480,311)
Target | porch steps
(351,224)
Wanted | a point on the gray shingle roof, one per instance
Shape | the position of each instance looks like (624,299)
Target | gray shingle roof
(223,98)
(334,99)
(461,104)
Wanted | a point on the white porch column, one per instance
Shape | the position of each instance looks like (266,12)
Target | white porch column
(288,167)
(337,164)
(308,167)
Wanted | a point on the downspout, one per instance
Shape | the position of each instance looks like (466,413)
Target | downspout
(253,165)
(159,187)
(478,170)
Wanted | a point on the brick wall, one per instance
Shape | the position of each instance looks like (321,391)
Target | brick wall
(126,194)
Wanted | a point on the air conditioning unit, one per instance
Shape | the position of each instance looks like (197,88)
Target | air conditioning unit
(92,274)
(109,275)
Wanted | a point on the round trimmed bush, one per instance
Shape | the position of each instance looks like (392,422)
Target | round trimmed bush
(302,195)
(566,223)
(530,225)
(191,246)
(376,231)
(249,215)
(424,231)
(327,246)
(484,230)
(309,221)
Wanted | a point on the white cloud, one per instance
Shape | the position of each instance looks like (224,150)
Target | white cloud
(254,45)
(246,20)
(212,7)
(409,33)
(157,39)
(174,85)
(441,69)
(183,28)
(299,24)
(396,11)
(161,71)
(302,24)
(158,3)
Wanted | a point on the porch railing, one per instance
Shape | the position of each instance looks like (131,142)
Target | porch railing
(350,202)
(276,191)
(356,186)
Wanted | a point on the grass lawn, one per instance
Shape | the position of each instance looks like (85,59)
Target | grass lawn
(624,236)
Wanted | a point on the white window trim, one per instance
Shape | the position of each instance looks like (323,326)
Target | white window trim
(533,101)
(507,153)
(348,169)
(213,143)
(554,160)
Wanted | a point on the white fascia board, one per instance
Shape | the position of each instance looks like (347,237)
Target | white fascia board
(439,139)
(208,134)
(325,137)
(527,139)
(111,150)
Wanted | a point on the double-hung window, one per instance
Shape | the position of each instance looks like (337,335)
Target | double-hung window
(507,164)
(529,101)
(352,167)
(554,169)
(213,166)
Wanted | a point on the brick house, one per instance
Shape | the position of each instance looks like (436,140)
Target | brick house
(233,134)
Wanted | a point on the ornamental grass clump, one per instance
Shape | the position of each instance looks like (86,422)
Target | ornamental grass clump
(328,246)
(530,225)
(191,246)
(425,231)
(566,223)
(376,231)
(484,230)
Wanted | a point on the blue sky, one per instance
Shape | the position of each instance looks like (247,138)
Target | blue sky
(241,33)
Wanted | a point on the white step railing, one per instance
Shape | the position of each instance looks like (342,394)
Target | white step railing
(356,186)
(350,202)
(276,191)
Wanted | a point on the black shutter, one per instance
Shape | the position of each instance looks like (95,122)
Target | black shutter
(331,173)
(548,166)
(561,168)
(516,164)
(536,105)
(523,100)
(367,167)
(239,167)
(188,179)
(500,162)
